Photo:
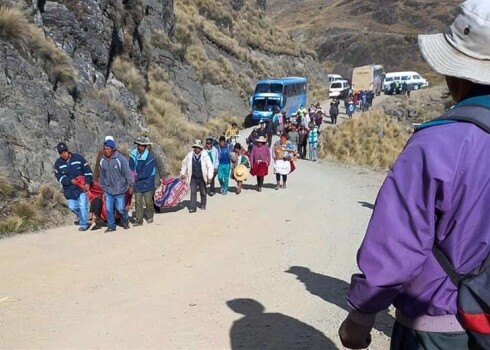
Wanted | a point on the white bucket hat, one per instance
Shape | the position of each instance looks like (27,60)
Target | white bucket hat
(464,51)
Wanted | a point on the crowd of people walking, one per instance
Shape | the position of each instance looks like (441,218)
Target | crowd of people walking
(104,196)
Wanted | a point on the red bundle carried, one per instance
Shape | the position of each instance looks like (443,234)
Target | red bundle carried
(96,191)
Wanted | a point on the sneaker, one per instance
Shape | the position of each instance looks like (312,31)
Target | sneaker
(192,211)
(202,207)
(260,189)
(125,224)
(82,229)
(110,229)
(284,186)
(149,221)
(137,223)
(211,194)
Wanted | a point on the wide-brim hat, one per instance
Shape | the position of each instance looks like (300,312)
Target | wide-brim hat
(464,51)
(240,173)
(261,139)
(198,144)
(143,141)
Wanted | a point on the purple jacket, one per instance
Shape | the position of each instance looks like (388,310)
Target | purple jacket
(260,153)
(437,191)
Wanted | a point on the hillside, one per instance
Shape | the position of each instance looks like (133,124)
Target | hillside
(77,70)
(349,33)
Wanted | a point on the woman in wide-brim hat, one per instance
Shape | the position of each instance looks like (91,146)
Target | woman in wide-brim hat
(240,165)
(260,158)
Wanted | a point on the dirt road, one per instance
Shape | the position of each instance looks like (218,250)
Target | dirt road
(262,270)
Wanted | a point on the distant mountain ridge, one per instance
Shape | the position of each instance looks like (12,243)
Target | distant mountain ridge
(349,33)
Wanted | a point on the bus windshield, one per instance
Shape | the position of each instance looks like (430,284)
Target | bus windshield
(265,104)
(269,88)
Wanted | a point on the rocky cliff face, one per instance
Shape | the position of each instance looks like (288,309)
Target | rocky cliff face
(77,70)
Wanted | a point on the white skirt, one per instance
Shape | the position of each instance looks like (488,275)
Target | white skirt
(282,167)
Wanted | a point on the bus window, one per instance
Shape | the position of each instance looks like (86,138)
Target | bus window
(269,88)
(259,104)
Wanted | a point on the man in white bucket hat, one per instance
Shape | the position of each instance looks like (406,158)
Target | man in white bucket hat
(434,203)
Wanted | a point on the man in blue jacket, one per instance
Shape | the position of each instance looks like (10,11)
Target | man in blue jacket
(67,168)
(116,179)
(142,163)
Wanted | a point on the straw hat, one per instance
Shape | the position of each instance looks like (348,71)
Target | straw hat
(262,139)
(198,144)
(240,173)
(464,50)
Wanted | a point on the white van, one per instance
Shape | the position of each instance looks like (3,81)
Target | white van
(412,78)
(334,77)
(337,87)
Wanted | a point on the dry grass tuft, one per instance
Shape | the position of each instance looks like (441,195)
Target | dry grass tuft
(372,139)
(105,98)
(125,71)
(24,35)
(24,217)
(6,188)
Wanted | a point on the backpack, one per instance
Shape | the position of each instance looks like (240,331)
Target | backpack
(474,288)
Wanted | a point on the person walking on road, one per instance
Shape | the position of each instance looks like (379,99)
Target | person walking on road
(431,215)
(302,142)
(313,143)
(224,165)
(240,165)
(283,154)
(214,156)
(142,164)
(116,179)
(198,170)
(293,137)
(260,158)
(67,168)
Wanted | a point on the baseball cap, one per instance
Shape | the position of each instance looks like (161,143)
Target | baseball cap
(61,147)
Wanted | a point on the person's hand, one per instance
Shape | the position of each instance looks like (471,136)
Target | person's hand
(130,190)
(354,336)
(74,182)
(86,188)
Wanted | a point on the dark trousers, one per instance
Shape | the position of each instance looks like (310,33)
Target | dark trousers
(284,178)
(260,181)
(212,187)
(302,150)
(197,184)
(404,338)
(143,205)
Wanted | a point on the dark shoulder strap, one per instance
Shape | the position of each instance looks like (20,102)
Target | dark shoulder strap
(476,114)
(446,265)
(475,110)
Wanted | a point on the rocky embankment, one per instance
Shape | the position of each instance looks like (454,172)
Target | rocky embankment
(75,71)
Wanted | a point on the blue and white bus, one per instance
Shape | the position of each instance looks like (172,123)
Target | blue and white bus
(288,94)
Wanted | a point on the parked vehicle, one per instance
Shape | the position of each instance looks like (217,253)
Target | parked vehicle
(286,94)
(413,79)
(338,88)
(368,78)
(334,77)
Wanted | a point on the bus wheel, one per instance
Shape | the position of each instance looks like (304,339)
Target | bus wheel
(248,121)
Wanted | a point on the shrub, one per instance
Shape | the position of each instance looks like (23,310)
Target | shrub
(372,139)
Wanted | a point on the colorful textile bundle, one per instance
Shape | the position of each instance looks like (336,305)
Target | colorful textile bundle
(171,192)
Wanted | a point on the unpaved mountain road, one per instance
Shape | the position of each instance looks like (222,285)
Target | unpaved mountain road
(173,284)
